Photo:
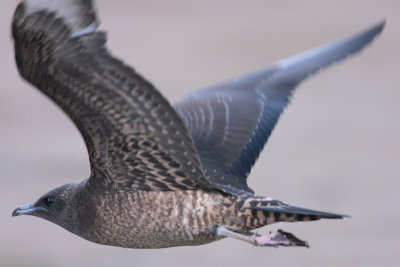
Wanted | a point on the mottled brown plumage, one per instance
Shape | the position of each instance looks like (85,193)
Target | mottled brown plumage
(161,176)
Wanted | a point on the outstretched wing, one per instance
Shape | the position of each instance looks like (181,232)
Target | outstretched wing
(231,122)
(134,137)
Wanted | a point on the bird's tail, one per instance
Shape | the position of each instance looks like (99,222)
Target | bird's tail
(262,211)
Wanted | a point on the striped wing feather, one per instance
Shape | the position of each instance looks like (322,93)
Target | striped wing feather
(135,139)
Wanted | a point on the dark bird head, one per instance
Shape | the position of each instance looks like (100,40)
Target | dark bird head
(55,206)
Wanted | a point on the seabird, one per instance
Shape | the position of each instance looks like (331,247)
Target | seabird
(162,175)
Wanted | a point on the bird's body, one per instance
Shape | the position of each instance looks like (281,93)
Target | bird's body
(149,219)
(161,175)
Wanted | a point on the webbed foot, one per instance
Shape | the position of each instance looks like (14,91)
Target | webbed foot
(279,238)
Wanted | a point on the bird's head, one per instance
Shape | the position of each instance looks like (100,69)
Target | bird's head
(54,206)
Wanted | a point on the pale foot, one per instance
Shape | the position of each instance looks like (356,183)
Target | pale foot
(277,239)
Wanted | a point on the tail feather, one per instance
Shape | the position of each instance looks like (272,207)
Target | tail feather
(293,210)
(264,211)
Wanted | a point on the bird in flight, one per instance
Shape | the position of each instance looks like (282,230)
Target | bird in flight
(161,175)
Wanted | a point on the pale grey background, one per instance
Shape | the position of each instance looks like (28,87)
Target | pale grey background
(336,148)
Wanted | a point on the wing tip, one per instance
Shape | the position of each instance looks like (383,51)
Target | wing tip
(78,15)
(375,29)
(380,25)
(298,67)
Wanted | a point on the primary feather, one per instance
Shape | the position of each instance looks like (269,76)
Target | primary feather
(231,122)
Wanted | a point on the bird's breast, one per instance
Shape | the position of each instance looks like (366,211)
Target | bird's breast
(148,219)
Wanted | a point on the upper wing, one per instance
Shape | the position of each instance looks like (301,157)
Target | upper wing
(134,137)
(231,122)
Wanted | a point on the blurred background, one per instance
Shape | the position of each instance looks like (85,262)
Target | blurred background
(336,148)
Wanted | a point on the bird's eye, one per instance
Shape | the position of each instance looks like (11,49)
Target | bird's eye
(48,201)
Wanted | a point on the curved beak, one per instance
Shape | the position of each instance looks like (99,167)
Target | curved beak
(25,209)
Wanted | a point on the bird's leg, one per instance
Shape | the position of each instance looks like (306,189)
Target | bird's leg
(279,238)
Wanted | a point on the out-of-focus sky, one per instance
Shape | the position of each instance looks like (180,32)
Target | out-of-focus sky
(336,148)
